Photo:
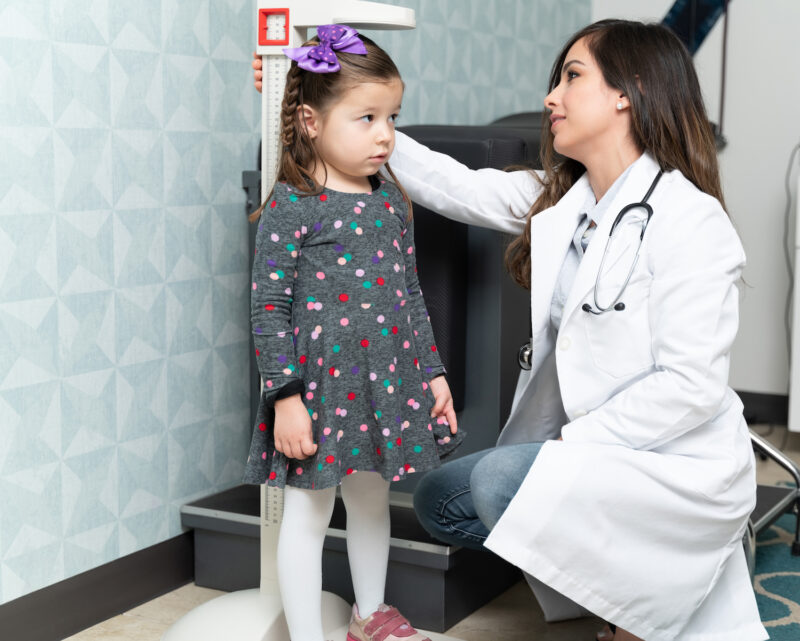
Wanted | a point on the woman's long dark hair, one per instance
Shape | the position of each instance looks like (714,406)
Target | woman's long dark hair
(298,157)
(651,66)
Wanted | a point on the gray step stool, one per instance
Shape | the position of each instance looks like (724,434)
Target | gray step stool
(436,584)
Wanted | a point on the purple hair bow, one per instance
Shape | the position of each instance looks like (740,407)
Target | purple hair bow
(322,59)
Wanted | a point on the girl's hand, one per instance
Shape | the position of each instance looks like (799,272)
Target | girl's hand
(444,402)
(258,74)
(293,428)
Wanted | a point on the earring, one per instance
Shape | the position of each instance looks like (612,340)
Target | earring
(619,106)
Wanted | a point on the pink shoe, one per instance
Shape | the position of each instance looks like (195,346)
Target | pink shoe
(385,624)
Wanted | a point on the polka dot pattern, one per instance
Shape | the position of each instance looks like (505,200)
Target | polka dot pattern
(337,310)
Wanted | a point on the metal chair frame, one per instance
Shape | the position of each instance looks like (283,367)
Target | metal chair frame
(773,501)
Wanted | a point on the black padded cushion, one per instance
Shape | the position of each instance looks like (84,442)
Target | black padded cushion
(522,120)
(498,146)
(442,250)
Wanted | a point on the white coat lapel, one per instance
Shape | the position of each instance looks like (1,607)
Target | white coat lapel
(633,190)
(551,235)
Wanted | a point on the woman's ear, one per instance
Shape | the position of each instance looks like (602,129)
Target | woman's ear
(309,120)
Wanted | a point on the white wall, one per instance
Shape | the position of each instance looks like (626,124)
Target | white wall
(762,124)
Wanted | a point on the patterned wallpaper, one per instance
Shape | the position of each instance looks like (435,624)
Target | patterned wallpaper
(124,309)
(469,62)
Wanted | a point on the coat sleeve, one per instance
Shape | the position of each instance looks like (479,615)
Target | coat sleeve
(278,244)
(693,315)
(484,197)
(429,361)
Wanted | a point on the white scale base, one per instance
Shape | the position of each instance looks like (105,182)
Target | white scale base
(248,615)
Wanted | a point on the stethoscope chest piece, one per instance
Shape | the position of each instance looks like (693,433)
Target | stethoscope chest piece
(524,356)
(618,307)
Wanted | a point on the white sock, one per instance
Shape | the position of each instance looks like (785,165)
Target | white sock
(306,516)
(366,498)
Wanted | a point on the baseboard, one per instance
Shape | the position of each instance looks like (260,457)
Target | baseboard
(84,600)
(765,408)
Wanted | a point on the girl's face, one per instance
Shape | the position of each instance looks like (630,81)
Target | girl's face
(355,136)
(584,117)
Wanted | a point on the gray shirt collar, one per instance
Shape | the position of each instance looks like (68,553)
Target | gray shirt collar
(596,210)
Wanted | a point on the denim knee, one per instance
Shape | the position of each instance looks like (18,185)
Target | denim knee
(496,478)
(443,503)
(488,496)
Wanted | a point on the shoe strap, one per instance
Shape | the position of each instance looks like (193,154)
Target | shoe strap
(388,622)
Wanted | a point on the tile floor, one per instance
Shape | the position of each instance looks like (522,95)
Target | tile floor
(513,616)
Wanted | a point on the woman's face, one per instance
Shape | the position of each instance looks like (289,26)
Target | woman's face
(584,117)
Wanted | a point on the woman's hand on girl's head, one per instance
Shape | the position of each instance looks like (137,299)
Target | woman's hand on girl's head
(293,436)
(444,402)
(258,74)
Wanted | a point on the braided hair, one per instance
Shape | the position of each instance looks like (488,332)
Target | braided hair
(298,156)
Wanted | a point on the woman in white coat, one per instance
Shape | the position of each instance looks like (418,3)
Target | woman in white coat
(624,476)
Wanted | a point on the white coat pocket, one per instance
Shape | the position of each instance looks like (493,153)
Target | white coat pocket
(619,341)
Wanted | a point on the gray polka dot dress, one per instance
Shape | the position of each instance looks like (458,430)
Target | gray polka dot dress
(338,316)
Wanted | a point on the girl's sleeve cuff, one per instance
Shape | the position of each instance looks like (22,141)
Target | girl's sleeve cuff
(290,389)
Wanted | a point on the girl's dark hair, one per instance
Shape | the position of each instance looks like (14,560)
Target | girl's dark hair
(298,156)
(651,66)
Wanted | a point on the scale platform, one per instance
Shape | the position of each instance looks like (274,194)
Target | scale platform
(434,584)
(236,615)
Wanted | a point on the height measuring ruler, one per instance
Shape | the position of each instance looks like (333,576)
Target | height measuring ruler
(274,33)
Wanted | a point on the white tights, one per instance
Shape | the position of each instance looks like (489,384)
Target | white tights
(306,515)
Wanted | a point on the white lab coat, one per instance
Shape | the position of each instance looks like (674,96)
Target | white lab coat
(638,514)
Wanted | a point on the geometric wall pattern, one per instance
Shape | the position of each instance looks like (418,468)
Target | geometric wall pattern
(124,300)
(124,292)
(470,62)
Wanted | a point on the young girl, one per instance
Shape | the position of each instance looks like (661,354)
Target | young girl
(354,392)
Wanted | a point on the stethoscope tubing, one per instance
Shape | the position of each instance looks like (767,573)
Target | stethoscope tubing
(643,204)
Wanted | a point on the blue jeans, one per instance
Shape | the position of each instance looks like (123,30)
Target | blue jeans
(460,502)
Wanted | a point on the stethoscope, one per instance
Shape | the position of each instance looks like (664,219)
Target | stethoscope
(616,304)
(526,351)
